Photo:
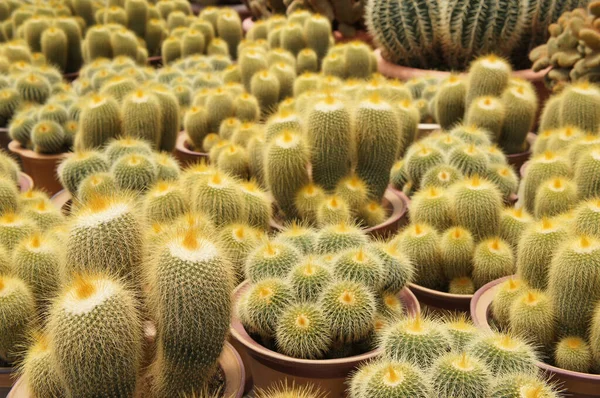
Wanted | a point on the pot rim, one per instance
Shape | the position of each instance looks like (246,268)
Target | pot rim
(398,201)
(15,147)
(25,182)
(182,145)
(432,292)
(480,305)
(239,333)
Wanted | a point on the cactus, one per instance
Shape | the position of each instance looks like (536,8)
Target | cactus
(126,146)
(477,205)
(463,285)
(44,215)
(460,330)
(307,61)
(165,202)
(271,260)
(513,222)
(17,308)
(251,62)
(492,259)
(280,122)
(71,331)
(372,214)
(488,77)
(42,377)
(359,265)
(337,238)
(286,173)
(554,196)
(100,121)
(586,218)
(307,201)
(13,229)
(457,248)
(460,375)
(54,46)
(515,385)
(303,332)
(505,178)
(96,184)
(580,107)
(258,207)
(376,137)
(134,173)
(487,113)
(9,196)
(421,244)
(332,210)
(586,174)
(579,257)
(301,237)
(450,102)
(520,106)
(190,274)
(471,135)
(218,197)
(537,247)
(33,87)
(142,117)
(563,138)
(246,108)
(504,354)
(397,379)
(532,316)
(441,176)
(195,124)
(416,339)
(234,161)
(265,303)
(420,160)
(432,206)
(573,353)
(47,137)
(594,337)
(95,225)
(308,279)
(265,87)
(508,292)
(169,116)
(349,307)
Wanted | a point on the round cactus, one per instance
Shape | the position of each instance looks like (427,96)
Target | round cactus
(503,354)
(493,258)
(303,331)
(271,260)
(17,308)
(460,375)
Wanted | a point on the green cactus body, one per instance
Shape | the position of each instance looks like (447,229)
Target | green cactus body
(192,42)
(441,176)
(349,307)
(54,46)
(432,206)
(134,173)
(460,375)
(332,210)
(398,269)
(505,178)
(189,270)
(358,60)
(285,169)
(580,107)
(515,385)
(492,259)
(79,166)
(573,353)
(303,332)
(469,160)
(353,191)
(20,127)
(9,196)
(307,202)
(124,43)
(100,121)
(488,76)
(541,168)
(142,117)
(487,113)
(579,256)
(550,117)
(195,124)
(586,219)
(33,88)
(307,61)
(96,184)
(47,137)
(257,204)
(503,354)
(395,379)
(520,105)
(44,215)
(265,87)
(317,30)
(329,137)
(42,378)
(594,337)
(463,285)
(457,248)
(234,161)
(228,127)
(554,196)
(586,174)
(246,108)
(72,326)
(38,261)
(137,16)
(171,49)
(450,102)
(376,138)
(301,237)
(532,316)
(95,226)
(219,106)
(563,138)
(334,65)
(420,160)
(508,292)
(126,146)
(399,176)
(415,339)
(337,238)
(165,203)
(251,62)
(305,82)
(513,223)
(360,266)
(471,135)
(218,197)
(308,279)
(286,74)
(266,302)
(17,308)
(421,244)
(477,206)
(229,28)
(280,122)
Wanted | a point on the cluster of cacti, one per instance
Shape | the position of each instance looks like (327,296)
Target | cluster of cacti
(427,357)
(284,389)
(448,35)
(456,236)
(25,86)
(445,157)
(486,97)
(571,51)
(112,40)
(317,294)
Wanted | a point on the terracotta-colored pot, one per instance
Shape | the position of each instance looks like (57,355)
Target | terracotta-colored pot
(4,138)
(361,35)
(436,300)
(41,168)
(247,24)
(155,61)
(184,154)
(576,384)
(7,380)
(394,201)
(230,362)
(25,182)
(268,367)
(71,76)
(241,7)
(523,169)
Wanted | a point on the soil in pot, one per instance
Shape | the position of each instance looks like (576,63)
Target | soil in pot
(268,366)
(575,384)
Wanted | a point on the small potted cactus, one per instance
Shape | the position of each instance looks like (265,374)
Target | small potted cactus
(313,303)
(427,357)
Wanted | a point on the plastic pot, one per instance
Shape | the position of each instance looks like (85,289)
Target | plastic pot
(576,384)
(41,168)
(184,154)
(394,201)
(268,367)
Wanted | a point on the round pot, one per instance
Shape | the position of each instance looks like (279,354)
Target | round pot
(269,367)
(7,380)
(4,138)
(41,168)
(576,384)
(230,362)
(155,61)
(25,182)
(441,301)
(185,154)
(394,201)
(71,76)
(63,201)
(425,129)
(247,24)
(361,35)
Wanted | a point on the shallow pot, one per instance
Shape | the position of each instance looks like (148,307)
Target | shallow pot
(441,301)
(63,200)
(7,380)
(41,168)
(230,362)
(155,61)
(576,384)
(330,375)
(184,154)
(425,129)
(394,201)
(25,182)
